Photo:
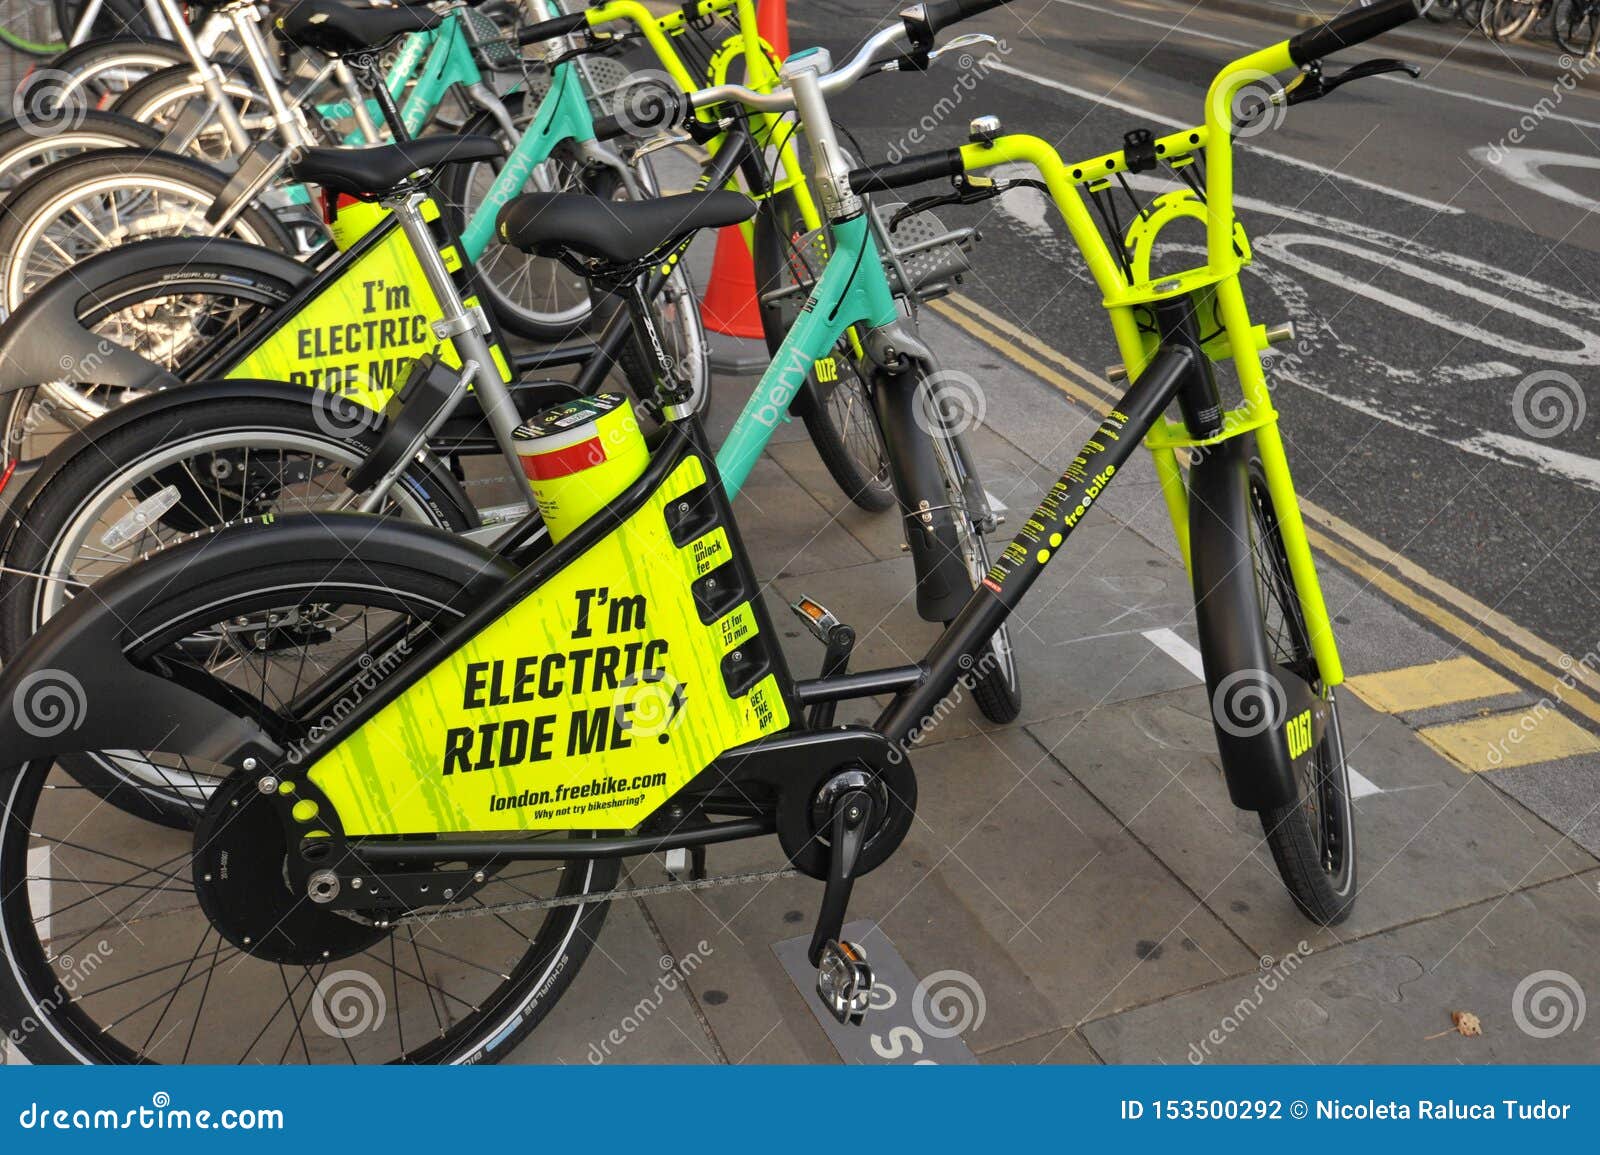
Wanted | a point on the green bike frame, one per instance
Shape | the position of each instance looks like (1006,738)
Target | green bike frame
(853,290)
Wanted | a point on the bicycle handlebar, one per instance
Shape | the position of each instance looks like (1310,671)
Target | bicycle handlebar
(550,29)
(1350,29)
(912,170)
(940,14)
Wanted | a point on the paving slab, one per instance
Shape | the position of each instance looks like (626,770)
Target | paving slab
(1523,963)
(630,1003)
(1434,840)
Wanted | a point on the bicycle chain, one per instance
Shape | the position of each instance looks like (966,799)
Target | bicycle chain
(525,905)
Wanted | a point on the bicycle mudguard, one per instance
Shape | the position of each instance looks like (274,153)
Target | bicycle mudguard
(641,654)
(1268,719)
(72,688)
(44,340)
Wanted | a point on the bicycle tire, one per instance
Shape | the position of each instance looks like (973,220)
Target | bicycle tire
(1576,26)
(24,152)
(1312,840)
(101,69)
(835,412)
(495,1006)
(30,210)
(111,473)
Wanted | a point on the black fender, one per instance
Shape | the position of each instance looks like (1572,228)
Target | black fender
(243,388)
(44,339)
(943,583)
(74,689)
(1253,701)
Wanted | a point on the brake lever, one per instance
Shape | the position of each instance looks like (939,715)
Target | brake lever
(918,60)
(969,190)
(1313,85)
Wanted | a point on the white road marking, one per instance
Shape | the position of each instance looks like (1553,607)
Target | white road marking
(1574,467)
(1525,166)
(1360,785)
(1582,345)
(1179,650)
(1431,87)
(1285,158)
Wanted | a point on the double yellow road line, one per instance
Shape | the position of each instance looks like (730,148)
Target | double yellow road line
(1560,678)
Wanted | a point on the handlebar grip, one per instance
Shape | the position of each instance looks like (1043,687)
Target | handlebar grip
(940,14)
(1351,29)
(658,111)
(550,29)
(914,170)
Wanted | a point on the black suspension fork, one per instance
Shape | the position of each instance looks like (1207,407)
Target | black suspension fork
(1043,535)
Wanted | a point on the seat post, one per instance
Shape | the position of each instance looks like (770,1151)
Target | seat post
(466,326)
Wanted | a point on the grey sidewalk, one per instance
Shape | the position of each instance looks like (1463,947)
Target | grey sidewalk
(1081,875)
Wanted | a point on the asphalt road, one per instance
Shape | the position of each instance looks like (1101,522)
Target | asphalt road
(1444,396)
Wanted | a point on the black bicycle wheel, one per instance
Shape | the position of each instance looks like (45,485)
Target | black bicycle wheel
(176,976)
(171,316)
(1312,840)
(90,203)
(1576,24)
(172,473)
(834,402)
(25,151)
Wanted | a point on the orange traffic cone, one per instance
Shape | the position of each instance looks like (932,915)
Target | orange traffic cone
(772,21)
(729,305)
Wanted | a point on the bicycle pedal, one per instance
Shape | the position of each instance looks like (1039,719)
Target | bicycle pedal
(816,617)
(844,981)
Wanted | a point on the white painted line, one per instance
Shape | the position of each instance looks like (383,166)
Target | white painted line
(1428,85)
(1178,650)
(1360,785)
(1525,166)
(1285,158)
(1188,657)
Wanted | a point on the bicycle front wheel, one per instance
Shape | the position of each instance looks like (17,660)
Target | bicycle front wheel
(1313,839)
(1576,24)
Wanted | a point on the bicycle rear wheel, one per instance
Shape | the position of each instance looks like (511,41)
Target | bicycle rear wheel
(193,964)
(90,203)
